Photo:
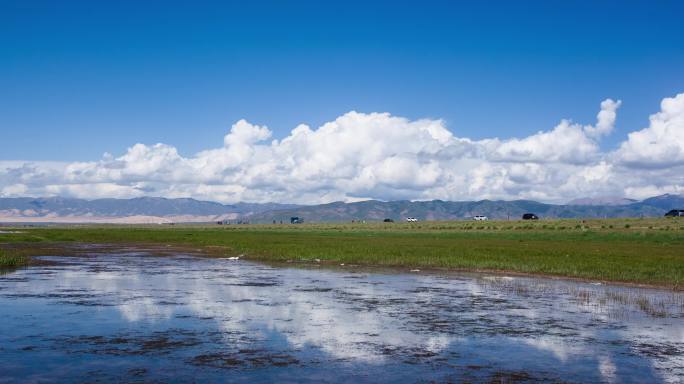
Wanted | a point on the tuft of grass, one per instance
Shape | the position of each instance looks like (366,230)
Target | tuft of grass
(12,259)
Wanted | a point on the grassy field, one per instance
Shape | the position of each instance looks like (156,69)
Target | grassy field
(647,251)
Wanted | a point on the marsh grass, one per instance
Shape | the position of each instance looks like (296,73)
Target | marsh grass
(628,250)
(12,259)
(615,302)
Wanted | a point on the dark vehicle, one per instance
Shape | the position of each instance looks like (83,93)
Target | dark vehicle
(675,213)
(388,221)
(296,220)
(530,216)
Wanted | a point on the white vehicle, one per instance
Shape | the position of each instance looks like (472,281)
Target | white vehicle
(480,218)
(411,219)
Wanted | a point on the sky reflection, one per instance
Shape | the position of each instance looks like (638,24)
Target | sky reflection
(135,315)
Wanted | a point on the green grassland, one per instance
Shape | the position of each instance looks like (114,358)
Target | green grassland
(645,251)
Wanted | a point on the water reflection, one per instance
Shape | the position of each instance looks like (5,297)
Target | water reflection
(128,314)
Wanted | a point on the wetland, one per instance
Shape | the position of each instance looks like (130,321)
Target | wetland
(90,312)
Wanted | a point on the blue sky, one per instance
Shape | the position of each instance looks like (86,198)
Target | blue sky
(453,100)
(78,79)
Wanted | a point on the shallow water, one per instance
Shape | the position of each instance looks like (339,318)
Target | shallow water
(127,315)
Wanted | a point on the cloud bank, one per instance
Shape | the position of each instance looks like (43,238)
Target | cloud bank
(379,156)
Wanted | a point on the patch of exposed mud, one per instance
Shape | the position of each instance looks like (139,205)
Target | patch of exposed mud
(245,359)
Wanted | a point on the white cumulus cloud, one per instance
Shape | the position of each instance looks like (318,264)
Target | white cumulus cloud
(662,143)
(566,143)
(380,156)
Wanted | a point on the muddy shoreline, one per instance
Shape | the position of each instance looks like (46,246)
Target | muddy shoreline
(211,251)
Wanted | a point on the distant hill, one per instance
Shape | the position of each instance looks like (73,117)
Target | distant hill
(142,209)
(665,202)
(162,210)
(602,201)
(460,210)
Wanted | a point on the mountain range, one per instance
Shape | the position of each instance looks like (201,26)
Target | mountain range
(163,210)
(607,200)
(460,210)
(137,210)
